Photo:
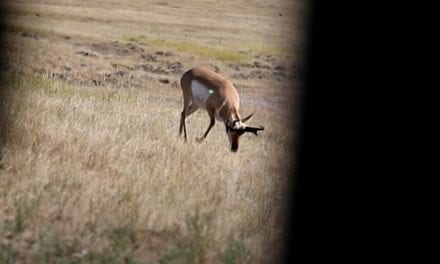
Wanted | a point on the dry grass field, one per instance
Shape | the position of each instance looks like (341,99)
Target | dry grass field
(91,166)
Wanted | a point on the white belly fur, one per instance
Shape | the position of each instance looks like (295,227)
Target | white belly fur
(200,93)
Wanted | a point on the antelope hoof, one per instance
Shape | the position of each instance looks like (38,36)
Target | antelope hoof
(199,139)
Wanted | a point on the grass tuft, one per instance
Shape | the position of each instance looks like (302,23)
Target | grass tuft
(8,254)
(236,253)
(193,247)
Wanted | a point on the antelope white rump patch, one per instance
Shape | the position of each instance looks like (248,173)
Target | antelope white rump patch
(200,93)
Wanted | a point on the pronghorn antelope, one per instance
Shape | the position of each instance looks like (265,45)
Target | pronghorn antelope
(203,88)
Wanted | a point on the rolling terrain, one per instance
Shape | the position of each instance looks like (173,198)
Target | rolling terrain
(91,166)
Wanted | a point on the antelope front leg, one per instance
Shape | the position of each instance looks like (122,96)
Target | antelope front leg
(182,124)
(211,124)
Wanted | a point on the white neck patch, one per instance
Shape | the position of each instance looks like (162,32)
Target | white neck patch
(217,111)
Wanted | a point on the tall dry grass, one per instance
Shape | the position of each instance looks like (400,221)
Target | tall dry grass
(99,175)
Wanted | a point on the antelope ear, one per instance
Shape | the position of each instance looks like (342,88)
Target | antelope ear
(246,118)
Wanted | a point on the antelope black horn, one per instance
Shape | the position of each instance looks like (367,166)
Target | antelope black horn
(246,118)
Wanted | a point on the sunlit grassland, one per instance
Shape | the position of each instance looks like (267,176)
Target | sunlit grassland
(98,174)
(162,29)
(193,48)
(216,52)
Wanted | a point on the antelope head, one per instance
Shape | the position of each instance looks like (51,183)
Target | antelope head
(237,128)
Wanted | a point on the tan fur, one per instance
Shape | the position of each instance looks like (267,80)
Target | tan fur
(224,102)
(223,90)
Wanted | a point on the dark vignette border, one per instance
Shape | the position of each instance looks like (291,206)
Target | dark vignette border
(313,214)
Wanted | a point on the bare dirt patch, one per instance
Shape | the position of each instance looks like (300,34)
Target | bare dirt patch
(132,64)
